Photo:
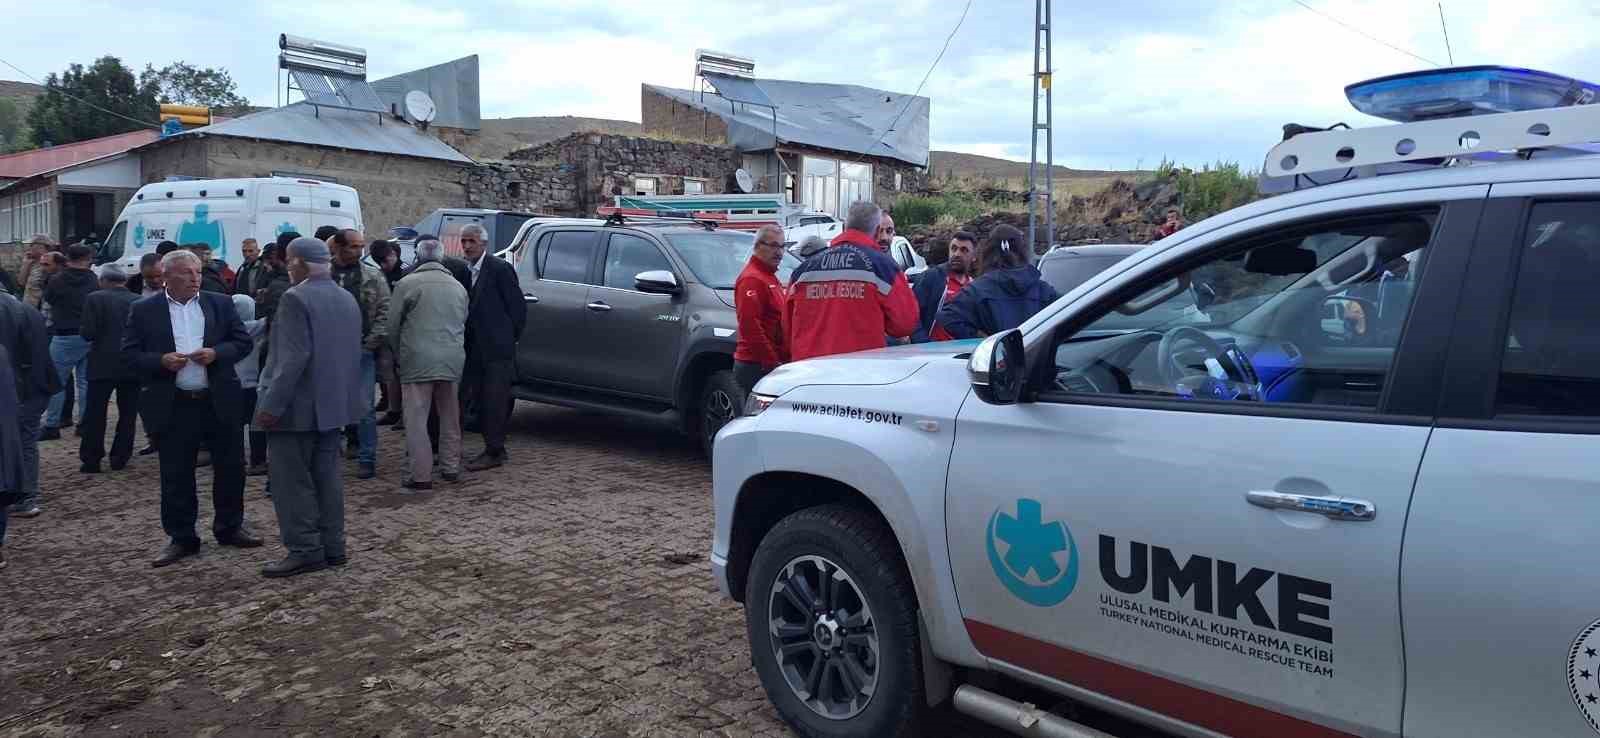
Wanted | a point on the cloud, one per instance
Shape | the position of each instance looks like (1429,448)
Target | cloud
(1134,81)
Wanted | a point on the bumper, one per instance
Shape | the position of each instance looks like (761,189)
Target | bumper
(736,459)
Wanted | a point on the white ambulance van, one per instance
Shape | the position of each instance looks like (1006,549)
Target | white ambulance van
(223,213)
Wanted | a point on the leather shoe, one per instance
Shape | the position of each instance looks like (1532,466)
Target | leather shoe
(389,419)
(202,459)
(50,434)
(418,486)
(338,560)
(451,477)
(173,553)
(88,468)
(367,471)
(147,450)
(118,464)
(292,565)
(486,461)
(240,538)
(256,470)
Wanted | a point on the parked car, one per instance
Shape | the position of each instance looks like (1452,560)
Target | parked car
(634,319)
(1194,518)
(1066,267)
(446,223)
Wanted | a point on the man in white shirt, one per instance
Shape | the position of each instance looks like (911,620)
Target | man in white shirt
(183,344)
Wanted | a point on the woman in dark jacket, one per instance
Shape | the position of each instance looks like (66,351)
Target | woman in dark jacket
(1006,293)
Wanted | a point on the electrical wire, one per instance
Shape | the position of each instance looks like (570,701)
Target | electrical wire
(1366,35)
(931,67)
(1446,28)
(36,81)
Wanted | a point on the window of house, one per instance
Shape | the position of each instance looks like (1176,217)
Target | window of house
(644,186)
(694,187)
(831,185)
(1552,355)
(898,185)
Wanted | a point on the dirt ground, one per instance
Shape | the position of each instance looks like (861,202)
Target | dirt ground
(566,594)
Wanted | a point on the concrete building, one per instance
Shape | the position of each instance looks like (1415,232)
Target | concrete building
(70,191)
(821,145)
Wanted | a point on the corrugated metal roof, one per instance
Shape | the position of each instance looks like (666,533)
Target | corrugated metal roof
(38,161)
(453,86)
(840,117)
(337,128)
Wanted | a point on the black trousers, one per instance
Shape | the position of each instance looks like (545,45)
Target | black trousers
(489,384)
(93,431)
(748,374)
(194,424)
(258,439)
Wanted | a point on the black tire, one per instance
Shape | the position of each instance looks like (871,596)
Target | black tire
(869,558)
(721,400)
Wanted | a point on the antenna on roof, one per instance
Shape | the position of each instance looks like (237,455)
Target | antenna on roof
(328,75)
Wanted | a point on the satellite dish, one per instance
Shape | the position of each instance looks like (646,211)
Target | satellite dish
(420,107)
(746,182)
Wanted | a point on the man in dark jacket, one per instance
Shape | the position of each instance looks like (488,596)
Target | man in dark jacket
(940,284)
(1007,293)
(104,315)
(65,294)
(495,316)
(23,334)
(244,280)
(213,277)
(182,345)
(305,398)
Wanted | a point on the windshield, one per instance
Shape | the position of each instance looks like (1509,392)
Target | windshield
(1067,272)
(717,257)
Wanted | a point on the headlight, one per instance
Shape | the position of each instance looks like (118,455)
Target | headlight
(758,403)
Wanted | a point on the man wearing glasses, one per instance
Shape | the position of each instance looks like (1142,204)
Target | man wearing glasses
(758,299)
(495,316)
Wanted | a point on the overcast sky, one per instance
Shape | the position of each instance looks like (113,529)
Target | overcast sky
(1135,80)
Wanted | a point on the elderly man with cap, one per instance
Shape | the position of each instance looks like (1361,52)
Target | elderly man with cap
(303,402)
(182,345)
(105,312)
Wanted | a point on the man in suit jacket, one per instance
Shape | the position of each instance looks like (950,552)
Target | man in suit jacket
(182,345)
(308,393)
(495,316)
(104,314)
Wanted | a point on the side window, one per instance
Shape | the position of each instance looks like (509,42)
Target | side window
(1552,355)
(1309,316)
(629,255)
(450,231)
(566,255)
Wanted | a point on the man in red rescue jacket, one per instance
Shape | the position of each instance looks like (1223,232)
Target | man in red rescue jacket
(758,298)
(851,296)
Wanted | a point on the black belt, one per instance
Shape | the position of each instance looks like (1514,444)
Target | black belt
(199,395)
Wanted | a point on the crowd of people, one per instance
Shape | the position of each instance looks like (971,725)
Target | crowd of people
(851,296)
(288,351)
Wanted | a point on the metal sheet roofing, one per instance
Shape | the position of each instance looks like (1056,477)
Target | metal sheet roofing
(840,117)
(453,86)
(344,129)
(38,161)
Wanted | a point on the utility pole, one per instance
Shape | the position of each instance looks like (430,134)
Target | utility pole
(1041,79)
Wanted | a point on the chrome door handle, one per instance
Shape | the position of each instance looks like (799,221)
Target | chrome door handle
(530,299)
(599,307)
(1336,508)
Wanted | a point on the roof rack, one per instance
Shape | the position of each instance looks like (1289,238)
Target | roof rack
(1324,157)
(616,217)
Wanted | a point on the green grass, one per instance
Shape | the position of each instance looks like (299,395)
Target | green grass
(948,206)
(1212,189)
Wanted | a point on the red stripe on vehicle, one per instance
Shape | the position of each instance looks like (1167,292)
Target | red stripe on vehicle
(1196,706)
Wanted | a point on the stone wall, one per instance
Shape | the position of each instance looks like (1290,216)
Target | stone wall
(576,174)
(395,190)
(665,117)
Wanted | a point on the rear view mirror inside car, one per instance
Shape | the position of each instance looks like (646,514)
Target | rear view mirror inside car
(1280,260)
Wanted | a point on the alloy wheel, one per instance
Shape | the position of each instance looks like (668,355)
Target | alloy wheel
(824,637)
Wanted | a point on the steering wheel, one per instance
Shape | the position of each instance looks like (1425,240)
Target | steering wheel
(1242,381)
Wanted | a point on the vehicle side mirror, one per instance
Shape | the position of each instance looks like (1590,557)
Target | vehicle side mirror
(657,282)
(998,368)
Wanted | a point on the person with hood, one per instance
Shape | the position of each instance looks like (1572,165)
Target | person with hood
(940,284)
(249,371)
(1006,293)
(852,296)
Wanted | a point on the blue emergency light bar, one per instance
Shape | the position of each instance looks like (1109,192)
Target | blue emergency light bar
(1462,91)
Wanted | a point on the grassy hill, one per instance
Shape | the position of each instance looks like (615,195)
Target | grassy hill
(987,167)
(501,136)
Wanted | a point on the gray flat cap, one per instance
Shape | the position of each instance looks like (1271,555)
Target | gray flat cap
(113,273)
(310,249)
